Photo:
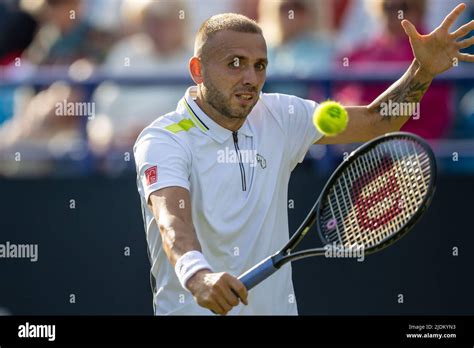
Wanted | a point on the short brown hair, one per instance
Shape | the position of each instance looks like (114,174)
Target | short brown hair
(224,21)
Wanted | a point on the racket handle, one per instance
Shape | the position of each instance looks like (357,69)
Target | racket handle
(258,273)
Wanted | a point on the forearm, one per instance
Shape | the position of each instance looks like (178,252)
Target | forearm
(178,238)
(393,108)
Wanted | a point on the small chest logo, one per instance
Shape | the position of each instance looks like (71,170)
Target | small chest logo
(262,161)
(151,175)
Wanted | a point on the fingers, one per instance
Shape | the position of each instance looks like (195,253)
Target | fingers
(211,304)
(225,293)
(220,292)
(451,18)
(222,298)
(218,309)
(230,297)
(239,289)
(463,30)
(232,289)
(465,43)
(466,57)
(410,29)
(226,307)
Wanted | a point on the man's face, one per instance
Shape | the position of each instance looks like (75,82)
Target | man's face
(233,70)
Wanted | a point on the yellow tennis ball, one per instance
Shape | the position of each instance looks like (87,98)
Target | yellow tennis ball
(330,118)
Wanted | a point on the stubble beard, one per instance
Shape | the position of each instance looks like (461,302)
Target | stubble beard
(220,103)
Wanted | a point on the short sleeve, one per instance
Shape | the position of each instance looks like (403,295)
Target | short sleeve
(161,161)
(296,117)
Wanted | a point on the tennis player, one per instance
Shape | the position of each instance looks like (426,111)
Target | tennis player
(213,174)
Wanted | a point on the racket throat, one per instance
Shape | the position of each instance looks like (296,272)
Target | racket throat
(279,259)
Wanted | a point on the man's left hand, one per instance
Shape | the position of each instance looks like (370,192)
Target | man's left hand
(439,50)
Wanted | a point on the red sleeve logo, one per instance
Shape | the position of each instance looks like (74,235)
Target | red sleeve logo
(151,175)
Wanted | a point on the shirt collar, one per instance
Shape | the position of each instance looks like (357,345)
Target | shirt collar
(205,123)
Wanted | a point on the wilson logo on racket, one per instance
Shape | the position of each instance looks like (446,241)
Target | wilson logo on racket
(378,194)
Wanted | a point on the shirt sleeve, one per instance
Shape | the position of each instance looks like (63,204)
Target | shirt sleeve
(161,161)
(297,121)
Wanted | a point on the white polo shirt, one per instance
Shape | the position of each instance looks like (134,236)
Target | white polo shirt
(238,184)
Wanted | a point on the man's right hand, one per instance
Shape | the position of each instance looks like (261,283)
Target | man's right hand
(217,291)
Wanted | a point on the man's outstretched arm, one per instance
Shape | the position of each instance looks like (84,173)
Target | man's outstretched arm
(368,122)
(434,53)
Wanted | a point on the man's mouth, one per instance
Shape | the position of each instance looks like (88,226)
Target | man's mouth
(245,96)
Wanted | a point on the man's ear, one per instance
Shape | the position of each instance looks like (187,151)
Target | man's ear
(195,68)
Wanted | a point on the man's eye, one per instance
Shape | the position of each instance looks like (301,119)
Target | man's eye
(260,67)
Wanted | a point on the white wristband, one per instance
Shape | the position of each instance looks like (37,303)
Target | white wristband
(188,264)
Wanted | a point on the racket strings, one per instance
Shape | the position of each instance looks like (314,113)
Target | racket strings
(377,194)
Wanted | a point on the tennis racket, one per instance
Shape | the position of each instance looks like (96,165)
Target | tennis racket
(371,200)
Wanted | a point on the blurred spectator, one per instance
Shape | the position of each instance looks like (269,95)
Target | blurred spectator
(298,41)
(103,14)
(248,8)
(353,24)
(391,50)
(17,29)
(67,36)
(38,129)
(161,48)
(197,12)
(299,44)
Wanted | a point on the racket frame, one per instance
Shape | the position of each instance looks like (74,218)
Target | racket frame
(284,255)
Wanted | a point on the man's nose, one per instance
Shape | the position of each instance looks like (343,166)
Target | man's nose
(250,77)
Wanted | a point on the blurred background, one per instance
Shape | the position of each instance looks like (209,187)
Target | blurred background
(79,80)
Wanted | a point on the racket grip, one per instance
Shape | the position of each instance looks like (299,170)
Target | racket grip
(258,273)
